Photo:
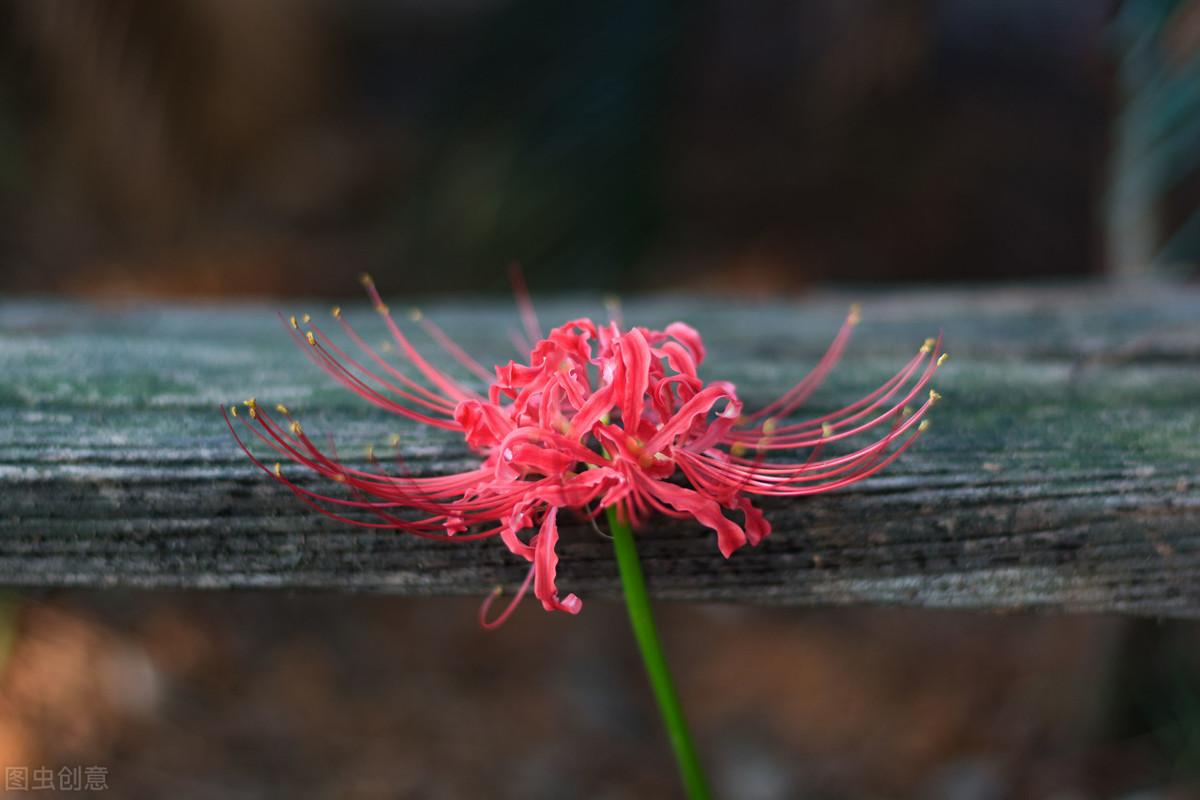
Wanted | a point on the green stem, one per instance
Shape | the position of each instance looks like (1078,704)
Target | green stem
(634,584)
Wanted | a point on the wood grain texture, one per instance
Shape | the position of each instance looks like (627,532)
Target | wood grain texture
(1062,470)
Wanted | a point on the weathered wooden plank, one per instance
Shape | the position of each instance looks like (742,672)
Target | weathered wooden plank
(1062,471)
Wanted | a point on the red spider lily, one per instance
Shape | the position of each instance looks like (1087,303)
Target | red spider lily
(597,416)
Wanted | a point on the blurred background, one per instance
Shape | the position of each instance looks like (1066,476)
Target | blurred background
(222,148)
(212,147)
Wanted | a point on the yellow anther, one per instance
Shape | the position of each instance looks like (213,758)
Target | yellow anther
(826,430)
(282,409)
(415,314)
(337,312)
(306,319)
(253,412)
(365,279)
(906,412)
(278,470)
(233,410)
(311,339)
(855,314)
(738,449)
(927,345)
(370,452)
(770,425)
(296,429)
(924,425)
(251,403)
(934,396)
(382,308)
(339,478)
(295,324)
(395,440)
(942,358)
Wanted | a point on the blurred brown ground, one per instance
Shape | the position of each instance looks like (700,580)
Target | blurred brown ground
(252,695)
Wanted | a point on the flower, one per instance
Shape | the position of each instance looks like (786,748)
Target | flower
(597,416)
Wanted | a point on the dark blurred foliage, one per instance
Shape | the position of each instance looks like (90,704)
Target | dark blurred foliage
(337,696)
(1154,203)
(216,146)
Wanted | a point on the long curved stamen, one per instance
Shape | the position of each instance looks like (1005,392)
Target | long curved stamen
(352,382)
(435,376)
(793,397)
(450,346)
(422,528)
(533,331)
(844,470)
(508,609)
(430,397)
(799,439)
(836,418)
